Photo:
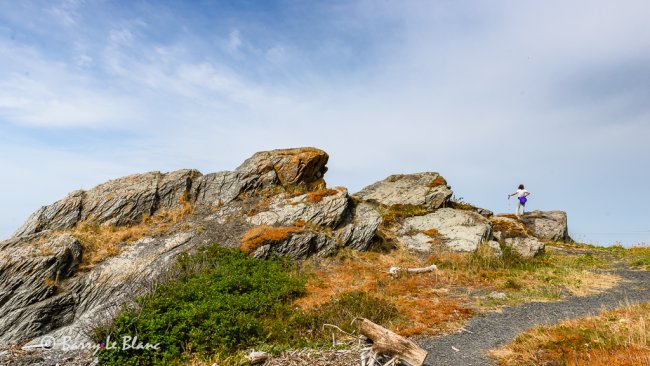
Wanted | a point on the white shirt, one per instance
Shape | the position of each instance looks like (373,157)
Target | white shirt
(521,192)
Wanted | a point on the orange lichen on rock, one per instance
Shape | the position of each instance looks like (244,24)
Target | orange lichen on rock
(300,165)
(431,232)
(264,234)
(439,181)
(511,228)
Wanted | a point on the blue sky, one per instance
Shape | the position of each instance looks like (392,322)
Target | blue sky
(552,94)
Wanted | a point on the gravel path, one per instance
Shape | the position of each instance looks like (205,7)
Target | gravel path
(493,330)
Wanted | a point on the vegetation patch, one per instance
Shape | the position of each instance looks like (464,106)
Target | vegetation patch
(264,234)
(219,303)
(101,242)
(422,300)
(613,338)
(394,213)
(317,196)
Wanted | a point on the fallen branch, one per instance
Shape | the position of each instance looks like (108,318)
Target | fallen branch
(395,270)
(390,344)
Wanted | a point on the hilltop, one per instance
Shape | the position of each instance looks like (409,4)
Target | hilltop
(74,264)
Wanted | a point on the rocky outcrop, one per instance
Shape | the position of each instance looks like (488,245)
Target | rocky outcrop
(459,230)
(326,210)
(44,292)
(422,189)
(547,225)
(511,232)
(275,203)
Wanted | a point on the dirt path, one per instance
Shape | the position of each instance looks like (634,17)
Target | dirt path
(493,330)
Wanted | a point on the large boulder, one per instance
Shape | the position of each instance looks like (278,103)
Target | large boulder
(459,230)
(421,189)
(289,166)
(547,225)
(526,247)
(324,207)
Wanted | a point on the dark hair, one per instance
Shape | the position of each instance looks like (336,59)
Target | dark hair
(521,186)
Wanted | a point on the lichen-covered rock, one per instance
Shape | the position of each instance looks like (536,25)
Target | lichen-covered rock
(421,189)
(290,166)
(504,227)
(360,227)
(547,225)
(526,247)
(459,230)
(328,211)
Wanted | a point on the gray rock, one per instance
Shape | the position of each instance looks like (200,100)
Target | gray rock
(62,214)
(525,247)
(328,212)
(360,228)
(422,189)
(547,225)
(117,202)
(459,230)
(495,246)
(299,246)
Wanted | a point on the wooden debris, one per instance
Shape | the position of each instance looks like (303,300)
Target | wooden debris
(257,358)
(395,270)
(387,343)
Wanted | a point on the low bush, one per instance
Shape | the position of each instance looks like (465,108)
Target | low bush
(221,301)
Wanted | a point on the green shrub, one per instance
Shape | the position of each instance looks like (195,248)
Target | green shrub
(221,300)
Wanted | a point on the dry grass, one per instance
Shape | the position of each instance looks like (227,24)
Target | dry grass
(613,338)
(422,299)
(317,196)
(264,234)
(432,303)
(396,212)
(101,242)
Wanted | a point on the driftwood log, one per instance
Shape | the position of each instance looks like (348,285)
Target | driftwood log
(395,270)
(393,345)
(257,358)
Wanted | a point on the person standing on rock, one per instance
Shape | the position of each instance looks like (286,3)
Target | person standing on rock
(521,194)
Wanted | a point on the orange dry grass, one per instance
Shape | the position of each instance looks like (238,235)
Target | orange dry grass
(317,196)
(259,235)
(614,338)
(421,298)
(510,216)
